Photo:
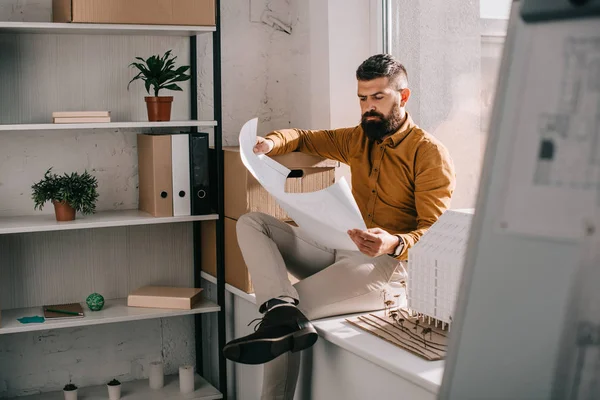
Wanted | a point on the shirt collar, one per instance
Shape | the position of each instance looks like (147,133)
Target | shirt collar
(402,132)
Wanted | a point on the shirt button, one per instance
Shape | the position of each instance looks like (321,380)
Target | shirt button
(373,190)
(375,169)
(369,215)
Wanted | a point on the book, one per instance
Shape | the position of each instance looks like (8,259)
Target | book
(63,311)
(79,120)
(164,297)
(80,114)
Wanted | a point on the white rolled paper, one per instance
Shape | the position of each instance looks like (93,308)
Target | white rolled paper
(156,375)
(186,379)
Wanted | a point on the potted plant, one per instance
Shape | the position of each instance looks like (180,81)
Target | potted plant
(68,192)
(114,389)
(159,73)
(70,391)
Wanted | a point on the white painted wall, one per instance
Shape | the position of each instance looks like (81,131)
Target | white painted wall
(265,70)
(350,29)
(495,8)
(340,39)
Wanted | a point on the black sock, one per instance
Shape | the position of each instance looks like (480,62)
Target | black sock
(278,302)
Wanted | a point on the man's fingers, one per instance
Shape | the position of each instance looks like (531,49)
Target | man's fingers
(365,250)
(359,233)
(375,230)
(370,237)
(362,245)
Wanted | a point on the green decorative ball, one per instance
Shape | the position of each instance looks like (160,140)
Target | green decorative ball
(95,301)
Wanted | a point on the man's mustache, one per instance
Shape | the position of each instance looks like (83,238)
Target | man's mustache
(372,114)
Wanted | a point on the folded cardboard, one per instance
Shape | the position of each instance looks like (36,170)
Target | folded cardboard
(146,12)
(244,194)
(236,272)
(164,297)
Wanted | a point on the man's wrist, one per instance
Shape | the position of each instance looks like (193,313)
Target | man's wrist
(271,145)
(397,249)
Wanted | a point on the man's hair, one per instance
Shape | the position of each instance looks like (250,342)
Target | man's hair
(383,66)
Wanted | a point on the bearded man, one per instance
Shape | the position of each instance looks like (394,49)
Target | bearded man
(402,180)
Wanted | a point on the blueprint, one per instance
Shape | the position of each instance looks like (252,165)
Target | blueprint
(568,145)
(326,215)
(553,189)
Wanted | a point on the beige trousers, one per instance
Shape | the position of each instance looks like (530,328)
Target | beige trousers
(331,283)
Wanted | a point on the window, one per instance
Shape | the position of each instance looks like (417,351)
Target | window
(452,51)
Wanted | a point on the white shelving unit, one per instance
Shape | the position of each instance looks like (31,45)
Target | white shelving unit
(113,311)
(107,125)
(140,390)
(102,29)
(103,219)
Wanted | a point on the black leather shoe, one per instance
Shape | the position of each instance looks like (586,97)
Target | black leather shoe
(282,329)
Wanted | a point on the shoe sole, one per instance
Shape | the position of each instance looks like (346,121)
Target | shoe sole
(260,351)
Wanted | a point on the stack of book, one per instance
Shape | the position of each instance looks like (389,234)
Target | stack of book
(80,117)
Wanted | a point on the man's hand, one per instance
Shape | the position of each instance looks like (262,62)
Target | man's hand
(263,145)
(374,242)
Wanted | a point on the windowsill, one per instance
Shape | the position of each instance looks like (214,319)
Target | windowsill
(425,374)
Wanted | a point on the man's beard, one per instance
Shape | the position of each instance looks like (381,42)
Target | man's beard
(377,129)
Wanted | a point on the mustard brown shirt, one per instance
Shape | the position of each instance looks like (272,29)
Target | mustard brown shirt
(402,184)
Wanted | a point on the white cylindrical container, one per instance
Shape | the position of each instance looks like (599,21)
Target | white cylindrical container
(156,375)
(70,394)
(186,379)
(114,392)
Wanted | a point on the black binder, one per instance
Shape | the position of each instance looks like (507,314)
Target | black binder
(200,173)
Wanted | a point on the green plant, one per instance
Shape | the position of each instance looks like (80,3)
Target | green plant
(79,191)
(69,387)
(160,73)
(114,382)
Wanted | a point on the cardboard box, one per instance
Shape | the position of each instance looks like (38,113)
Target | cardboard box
(180,298)
(236,272)
(145,12)
(244,194)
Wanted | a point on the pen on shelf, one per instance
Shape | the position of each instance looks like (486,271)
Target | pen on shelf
(62,311)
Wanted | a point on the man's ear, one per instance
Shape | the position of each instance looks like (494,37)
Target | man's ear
(404,96)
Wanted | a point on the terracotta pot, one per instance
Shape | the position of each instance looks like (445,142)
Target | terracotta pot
(63,211)
(159,108)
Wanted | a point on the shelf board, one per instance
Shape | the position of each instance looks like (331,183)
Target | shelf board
(106,125)
(103,29)
(250,297)
(102,219)
(114,311)
(140,390)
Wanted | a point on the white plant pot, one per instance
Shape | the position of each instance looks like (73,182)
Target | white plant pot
(114,392)
(156,375)
(70,394)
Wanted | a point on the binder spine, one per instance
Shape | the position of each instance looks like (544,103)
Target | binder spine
(180,151)
(155,175)
(200,174)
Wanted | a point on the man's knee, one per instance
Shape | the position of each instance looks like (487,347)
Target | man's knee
(256,220)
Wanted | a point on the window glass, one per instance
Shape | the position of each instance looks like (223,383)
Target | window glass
(452,51)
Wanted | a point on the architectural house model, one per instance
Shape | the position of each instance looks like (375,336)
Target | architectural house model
(435,266)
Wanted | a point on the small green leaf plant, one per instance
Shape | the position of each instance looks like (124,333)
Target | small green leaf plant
(160,73)
(79,191)
(114,382)
(69,387)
